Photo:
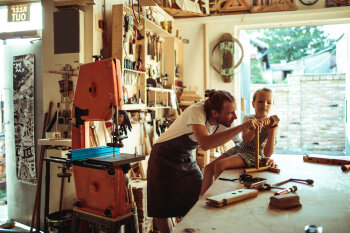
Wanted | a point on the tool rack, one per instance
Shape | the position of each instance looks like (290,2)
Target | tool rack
(150,83)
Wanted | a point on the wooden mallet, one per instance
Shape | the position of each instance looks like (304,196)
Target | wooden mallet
(275,121)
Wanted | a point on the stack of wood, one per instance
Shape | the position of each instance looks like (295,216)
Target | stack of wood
(188,98)
(139,189)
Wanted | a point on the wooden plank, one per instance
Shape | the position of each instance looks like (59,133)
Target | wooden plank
(181,13)
(231,197)
(74,3)
(11,2)
(325,160)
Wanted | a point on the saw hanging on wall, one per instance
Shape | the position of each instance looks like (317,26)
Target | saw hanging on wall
(226,46)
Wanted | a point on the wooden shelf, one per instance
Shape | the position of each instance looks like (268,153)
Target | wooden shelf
(159,89)
(74,3)
(134,71)
(156,29)
(129,107)
(55,142)
(158,107)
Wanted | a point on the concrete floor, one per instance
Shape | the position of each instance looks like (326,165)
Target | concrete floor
(4,217)
(3,212)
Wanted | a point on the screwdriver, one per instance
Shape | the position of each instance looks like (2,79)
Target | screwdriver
(292,189)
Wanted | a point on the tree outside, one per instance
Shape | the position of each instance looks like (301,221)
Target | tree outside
(289,44)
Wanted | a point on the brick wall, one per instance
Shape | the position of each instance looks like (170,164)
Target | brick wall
(312,112)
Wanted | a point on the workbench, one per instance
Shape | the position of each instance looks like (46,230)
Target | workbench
(326,203)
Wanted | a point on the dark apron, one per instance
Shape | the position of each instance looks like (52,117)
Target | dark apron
(173,178)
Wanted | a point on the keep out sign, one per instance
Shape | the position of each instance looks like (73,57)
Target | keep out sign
(18,13)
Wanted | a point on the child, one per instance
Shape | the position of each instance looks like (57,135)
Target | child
(243,154)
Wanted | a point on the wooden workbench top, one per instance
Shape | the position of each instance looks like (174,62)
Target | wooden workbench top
(326,203)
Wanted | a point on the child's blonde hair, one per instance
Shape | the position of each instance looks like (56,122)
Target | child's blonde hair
(262,89)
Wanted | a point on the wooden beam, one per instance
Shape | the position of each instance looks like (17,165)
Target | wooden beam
(14,2)
(74,3)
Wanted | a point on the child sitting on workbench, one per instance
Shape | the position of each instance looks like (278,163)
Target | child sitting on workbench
(243,154)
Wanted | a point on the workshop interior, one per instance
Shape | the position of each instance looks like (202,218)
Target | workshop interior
(88,86)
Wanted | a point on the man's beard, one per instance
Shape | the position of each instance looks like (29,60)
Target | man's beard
(225,123)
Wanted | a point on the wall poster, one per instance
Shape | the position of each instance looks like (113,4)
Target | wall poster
(23,98)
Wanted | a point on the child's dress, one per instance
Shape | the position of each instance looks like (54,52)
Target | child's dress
(247,150)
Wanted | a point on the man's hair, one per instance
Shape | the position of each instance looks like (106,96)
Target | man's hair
(262,89)
(216,99)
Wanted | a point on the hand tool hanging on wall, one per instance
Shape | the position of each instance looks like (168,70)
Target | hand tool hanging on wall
(57,133)
(149,44)
(139,60)
(139,35)
(52,123)
(153,42)
(128,31)
(157,48)
(131,51)
(64,174)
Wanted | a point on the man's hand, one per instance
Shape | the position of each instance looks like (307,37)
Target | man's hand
(253,124)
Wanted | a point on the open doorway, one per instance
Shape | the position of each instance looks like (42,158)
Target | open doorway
(304,67)
(18,37)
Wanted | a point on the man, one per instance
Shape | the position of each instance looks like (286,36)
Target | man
(173,178)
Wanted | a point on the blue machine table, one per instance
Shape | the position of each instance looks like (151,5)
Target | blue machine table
(326,203)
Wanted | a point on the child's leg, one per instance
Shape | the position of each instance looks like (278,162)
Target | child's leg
(209,174)
(234,161)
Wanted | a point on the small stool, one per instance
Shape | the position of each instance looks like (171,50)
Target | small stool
(102,223)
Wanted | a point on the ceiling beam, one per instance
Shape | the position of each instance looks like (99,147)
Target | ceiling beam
(9,2)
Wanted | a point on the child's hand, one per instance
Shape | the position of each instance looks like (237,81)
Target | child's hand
(270,163)
(272,129)
(253,124)
(266,121)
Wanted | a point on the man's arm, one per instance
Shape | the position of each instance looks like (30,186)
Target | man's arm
(207,141)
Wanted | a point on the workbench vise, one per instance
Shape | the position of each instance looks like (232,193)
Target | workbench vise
(99,172)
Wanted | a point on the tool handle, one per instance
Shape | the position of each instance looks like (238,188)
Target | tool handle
(345,168)
(228,179)
(292,189)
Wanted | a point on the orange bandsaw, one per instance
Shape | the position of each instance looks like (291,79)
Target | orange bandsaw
(99,172)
